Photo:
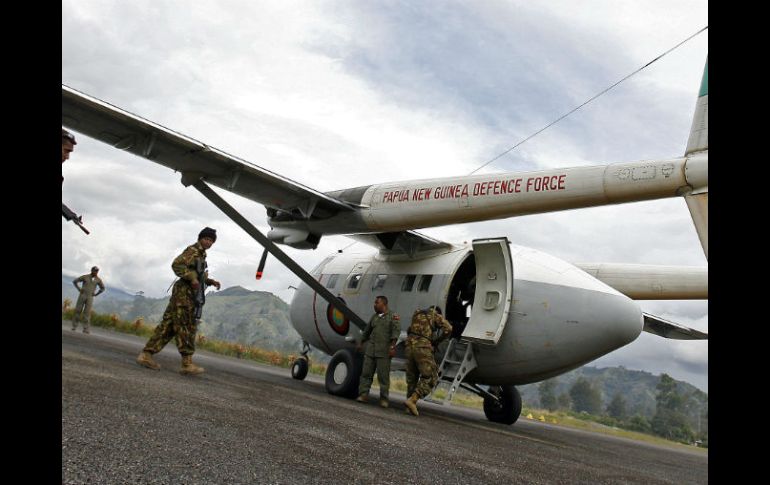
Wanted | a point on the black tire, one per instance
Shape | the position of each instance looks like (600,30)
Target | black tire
(343,373)
(507,411)
(299,368)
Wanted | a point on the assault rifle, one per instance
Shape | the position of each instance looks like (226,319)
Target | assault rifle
(67,213)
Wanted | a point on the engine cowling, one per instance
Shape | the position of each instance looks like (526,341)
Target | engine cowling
(296,238)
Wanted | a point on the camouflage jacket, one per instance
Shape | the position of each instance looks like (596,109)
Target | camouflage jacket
(420,332)
(185,266)
(380,332)
(89,284)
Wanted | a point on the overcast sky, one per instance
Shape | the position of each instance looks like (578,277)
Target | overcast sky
(337,94)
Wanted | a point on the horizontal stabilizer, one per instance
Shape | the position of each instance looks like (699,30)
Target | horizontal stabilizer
(667,329)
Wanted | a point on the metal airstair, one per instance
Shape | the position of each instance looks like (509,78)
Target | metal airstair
(458,361)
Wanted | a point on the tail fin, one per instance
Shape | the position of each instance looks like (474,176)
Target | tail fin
(699,133)
(698,200)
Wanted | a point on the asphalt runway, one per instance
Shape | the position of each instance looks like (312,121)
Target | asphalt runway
(243,422)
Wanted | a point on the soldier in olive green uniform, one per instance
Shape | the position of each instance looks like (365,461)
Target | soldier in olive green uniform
(380,336)
(86,298)
(419,354)
(179,318)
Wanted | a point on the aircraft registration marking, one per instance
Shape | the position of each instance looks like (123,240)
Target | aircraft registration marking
(479,189)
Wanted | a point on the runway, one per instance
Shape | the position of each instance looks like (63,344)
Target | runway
(242,422)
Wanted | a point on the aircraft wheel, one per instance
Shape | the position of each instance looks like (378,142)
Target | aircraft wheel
(507,411)
(343,373)
(299,368)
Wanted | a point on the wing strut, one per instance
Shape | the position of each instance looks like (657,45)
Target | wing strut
(284,258)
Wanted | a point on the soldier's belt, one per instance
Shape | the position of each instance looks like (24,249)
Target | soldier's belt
(418,335)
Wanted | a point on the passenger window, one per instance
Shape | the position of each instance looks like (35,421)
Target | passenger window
(332,282)
(425,282)
(408,283)
(354,280)
(379,281)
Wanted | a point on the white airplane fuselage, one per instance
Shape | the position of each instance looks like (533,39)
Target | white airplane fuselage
(559,316)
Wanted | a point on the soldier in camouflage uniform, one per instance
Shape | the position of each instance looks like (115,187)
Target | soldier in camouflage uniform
(380,336)
(86,298)
(179,318)
(419,354)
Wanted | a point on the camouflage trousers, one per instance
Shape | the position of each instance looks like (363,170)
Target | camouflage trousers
(382,365)
(83,312)
(178,321)
(420,363)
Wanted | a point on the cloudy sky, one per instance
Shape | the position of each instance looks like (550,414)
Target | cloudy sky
(337,94)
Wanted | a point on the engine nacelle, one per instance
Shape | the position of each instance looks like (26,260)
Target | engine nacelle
(296,238)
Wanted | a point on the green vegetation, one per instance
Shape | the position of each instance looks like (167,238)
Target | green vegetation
(679,413)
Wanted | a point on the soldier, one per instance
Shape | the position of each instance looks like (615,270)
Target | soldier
(419,354)
(179,319)
(86,298)
(380,336)
(68,146)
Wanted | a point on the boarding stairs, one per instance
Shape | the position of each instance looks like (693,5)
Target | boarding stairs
(458,361)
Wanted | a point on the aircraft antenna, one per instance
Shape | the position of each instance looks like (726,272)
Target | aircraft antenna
(585,103)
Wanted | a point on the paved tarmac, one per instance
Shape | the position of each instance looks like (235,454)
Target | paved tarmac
(246,423)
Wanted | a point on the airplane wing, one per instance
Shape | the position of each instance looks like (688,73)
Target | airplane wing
(669,329)
(123,130)
(652,282)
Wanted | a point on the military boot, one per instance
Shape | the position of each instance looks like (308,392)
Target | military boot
(363,398)
(384,402)
(145,359)
(188,367)
(411,404)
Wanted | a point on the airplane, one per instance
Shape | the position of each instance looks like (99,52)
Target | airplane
(519,315)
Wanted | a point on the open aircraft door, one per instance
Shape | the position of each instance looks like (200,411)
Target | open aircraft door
(494,291)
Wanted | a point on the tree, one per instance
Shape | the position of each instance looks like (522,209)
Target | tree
(639,423)
(670,420)
(585,397)
(547,395)
(564,401)
(617,408)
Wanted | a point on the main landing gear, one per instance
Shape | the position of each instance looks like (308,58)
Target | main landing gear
(503,404)
(343,372)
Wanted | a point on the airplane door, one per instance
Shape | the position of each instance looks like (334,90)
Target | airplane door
(494,291)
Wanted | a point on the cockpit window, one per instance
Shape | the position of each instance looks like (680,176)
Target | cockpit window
(354,281)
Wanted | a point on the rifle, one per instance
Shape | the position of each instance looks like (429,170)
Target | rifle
(200,293)
(67,213)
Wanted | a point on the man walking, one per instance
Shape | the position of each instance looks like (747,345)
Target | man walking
(180,319)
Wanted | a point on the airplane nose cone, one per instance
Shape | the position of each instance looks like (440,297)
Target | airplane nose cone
(621,322)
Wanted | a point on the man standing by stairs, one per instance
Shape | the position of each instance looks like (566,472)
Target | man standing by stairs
(380,336)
